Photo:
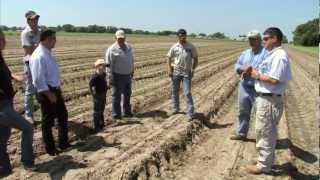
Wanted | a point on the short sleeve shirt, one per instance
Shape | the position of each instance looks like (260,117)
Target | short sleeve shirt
(277,66)
(182,58)
(30,38)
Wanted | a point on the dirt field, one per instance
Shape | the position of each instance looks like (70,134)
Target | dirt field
(153,145)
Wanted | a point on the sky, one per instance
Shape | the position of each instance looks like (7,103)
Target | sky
(233,17)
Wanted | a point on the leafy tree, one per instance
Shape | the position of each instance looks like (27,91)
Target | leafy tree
(307,34)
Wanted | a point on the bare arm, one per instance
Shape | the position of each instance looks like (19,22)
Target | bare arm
(256,75)
(169,67)
(195,63)
(17,77)
(28,50)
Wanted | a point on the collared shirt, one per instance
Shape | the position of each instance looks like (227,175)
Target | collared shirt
(119,60)
(277,66)
(29,38)
(248,57)
(6,87)
(44,69)
(182,56)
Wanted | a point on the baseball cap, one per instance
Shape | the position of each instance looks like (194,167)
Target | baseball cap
(120,34)
(31,15)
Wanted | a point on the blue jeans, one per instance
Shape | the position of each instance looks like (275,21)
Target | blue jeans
(29,92)
(247,96)
(121,86)
(176,81)
(9,118)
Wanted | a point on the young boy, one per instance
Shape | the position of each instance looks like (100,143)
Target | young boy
(98,89)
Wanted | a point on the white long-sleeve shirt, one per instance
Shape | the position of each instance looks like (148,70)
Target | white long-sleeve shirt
(44,69)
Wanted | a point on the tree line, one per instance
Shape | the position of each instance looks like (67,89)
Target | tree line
(112,29)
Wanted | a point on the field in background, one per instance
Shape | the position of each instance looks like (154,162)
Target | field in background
(154,145)
(314,51)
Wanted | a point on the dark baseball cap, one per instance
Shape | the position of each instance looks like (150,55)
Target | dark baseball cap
(182,31)
(32,15)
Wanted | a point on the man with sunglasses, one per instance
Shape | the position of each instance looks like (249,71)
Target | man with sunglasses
(30,38)
(247,94)
(182,60)
(272,77)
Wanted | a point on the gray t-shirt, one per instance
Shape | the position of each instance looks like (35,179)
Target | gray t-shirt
(182,58)
(29,38)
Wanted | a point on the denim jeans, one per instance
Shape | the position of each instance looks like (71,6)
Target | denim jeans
(121,86)
(99,103)
(9,118)
(176,81)
(29,92)
(247,96)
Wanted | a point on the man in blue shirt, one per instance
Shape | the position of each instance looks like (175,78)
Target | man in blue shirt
(272,77)
(247,94)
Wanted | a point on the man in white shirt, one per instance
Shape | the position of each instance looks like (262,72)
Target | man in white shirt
(272,77)
(46,80)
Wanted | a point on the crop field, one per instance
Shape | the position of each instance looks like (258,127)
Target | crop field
(154,145)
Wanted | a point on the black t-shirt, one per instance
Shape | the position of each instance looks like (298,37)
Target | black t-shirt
(6,87)
(98,81)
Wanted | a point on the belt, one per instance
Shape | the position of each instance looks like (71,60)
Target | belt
(26,62)
(269,94)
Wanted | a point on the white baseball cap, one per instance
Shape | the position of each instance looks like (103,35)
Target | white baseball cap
(99,62)
(254,34)
(120,34)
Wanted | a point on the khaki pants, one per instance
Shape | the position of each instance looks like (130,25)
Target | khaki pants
(268,115)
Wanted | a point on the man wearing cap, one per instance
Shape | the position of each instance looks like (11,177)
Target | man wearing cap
(272,77)
(247,94)
(120,68)
(46,80)
(30,38)
(182,61)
